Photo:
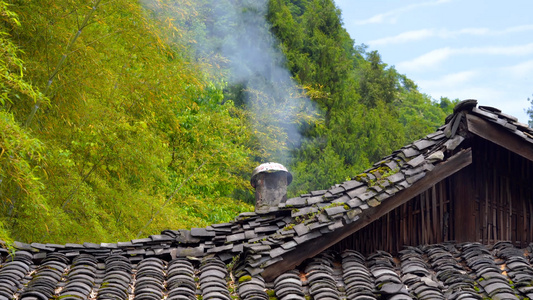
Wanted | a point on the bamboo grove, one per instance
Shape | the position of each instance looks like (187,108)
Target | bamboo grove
(113,124)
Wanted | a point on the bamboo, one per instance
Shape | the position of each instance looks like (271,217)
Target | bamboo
(61,62)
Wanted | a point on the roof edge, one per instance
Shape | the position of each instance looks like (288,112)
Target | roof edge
(499,135)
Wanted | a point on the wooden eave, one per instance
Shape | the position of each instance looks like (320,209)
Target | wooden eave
(311,248)
(500,136)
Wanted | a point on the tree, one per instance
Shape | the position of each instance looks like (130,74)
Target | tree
(133,119)
(529,112)
(368,109)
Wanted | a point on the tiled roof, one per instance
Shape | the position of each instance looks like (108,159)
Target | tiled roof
(253,242)
(443,271)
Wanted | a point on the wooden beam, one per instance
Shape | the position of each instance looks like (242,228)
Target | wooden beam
(312,248)
(500,136)
(464,198)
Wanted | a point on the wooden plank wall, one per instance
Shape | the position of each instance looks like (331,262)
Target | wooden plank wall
(499,207)
(504,202)
(423,220)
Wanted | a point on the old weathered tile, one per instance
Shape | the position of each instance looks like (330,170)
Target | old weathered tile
(190,251)
(266,229)
(378,187)
(356,202)
(373,202)
(220,248)
(510,127)
(391,190)
(416,177)
(351,184)
(323,218)
(298,201)
(202,232)
(416,161)
(364,206)
(236,237)
(307,237)
(358,191)
(315,225)
(289,245)
(278,251)
(260,247)
(318,193)
(335,210)
(342,199)
(336,190)
(304,211)
(396,177)
(366,195)
(424,143)
(300,229)
(354,212)
(336,225)
(314,200)
(409,152)
(392,165)
(382,196)
(119,244)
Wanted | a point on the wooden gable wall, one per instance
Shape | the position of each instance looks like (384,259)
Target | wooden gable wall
(488,201)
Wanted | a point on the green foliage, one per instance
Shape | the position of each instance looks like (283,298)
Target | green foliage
(368,109)
(529,112)
(419,114)
(136,130)
(21,185)
(377,83)
(13,85)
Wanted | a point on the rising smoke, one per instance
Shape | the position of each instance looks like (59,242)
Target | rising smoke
(238,31)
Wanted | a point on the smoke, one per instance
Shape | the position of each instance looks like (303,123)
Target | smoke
(239,31)
(236,34)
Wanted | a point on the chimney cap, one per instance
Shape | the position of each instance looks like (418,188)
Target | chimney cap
(270,167)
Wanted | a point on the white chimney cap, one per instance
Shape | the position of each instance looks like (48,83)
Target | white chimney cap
(270,167)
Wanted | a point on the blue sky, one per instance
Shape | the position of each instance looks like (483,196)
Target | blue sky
(466,49)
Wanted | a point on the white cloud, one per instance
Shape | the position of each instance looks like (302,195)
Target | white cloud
(449,80)
(392,16)
(520,70)
(515,29)
(428,60)
(437,56)
(505,50)
(404,37)
(509,103)
(416,35)
(485,95)
(488,86)
(482,31)
(488,95)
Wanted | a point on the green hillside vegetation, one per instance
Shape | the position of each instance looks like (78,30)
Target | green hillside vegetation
(113,125)
(367,108)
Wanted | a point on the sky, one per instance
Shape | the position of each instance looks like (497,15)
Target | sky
(465,49)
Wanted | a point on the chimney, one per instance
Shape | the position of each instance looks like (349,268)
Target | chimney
(270,181)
